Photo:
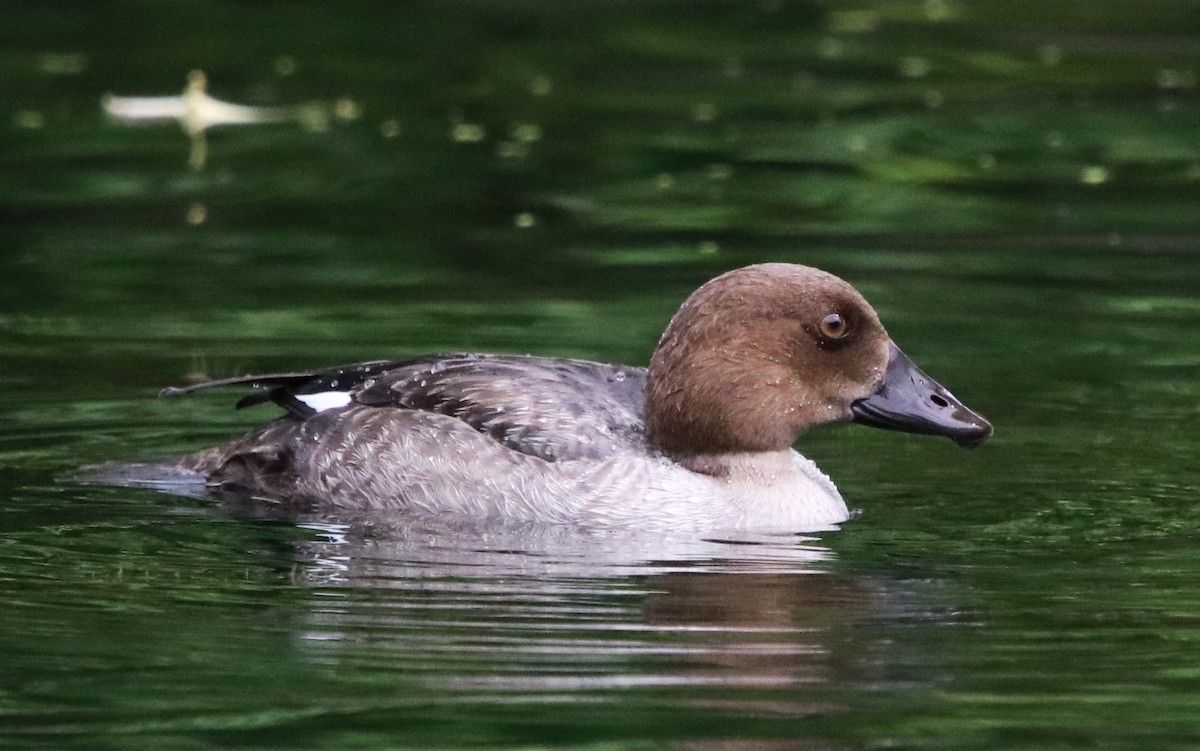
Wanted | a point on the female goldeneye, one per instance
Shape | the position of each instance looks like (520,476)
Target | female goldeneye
(701,440)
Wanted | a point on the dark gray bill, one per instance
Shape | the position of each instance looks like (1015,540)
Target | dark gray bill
(911,401)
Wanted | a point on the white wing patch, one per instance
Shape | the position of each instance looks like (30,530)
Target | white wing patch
(325,400)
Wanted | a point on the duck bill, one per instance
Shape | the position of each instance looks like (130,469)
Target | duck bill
(908,400)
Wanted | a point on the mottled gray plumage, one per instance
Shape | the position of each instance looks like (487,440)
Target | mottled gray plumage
(552,408)
(519,401)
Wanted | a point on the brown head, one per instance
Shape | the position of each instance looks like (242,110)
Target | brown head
(758,355)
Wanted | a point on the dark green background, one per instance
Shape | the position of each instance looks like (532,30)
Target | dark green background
(1014,185)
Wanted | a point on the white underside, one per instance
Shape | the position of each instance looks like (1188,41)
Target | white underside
(425,463)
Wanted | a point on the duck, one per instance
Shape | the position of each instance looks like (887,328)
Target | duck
(701,440)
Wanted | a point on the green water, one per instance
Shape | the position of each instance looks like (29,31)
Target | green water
(1014,186)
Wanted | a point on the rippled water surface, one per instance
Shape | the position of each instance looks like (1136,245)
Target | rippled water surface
(1015,186)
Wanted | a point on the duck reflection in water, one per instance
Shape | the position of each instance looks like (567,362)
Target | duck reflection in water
(759,625)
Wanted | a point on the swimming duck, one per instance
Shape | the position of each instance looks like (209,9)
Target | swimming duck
(700,440)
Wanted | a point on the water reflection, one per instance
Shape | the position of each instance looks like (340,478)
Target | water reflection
(501,614)
(196,111)
(385,552)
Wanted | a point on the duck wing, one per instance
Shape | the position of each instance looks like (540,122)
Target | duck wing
(555,409)
(301,394)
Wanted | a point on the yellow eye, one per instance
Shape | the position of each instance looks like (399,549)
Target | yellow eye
(833,326)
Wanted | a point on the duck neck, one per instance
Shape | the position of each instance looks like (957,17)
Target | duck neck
(699,406)
(757,467)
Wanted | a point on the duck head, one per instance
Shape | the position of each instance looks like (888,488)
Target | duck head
(758,355)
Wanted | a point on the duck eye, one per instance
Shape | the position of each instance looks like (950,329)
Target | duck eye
(834,326)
